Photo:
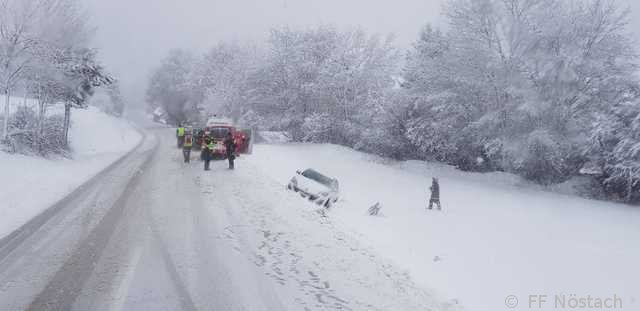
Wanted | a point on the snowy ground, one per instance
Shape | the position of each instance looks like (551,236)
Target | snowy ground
(174,237)
(496,236)
(310,260)
(157,234)
(31,184)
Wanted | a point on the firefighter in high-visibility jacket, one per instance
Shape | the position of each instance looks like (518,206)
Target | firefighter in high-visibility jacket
(207,152)
(186,147)
(180,132)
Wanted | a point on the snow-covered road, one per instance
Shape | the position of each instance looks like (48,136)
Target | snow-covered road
(155,234)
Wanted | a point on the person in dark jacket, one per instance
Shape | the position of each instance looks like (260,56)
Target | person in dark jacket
(230,146)
(199,139)
(435,194)
(207,153)
(203,144)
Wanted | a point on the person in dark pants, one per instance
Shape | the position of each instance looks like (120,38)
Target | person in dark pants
(186,147)
(435,194)
(207,153)
(199,139)
(230,145)
(203,145)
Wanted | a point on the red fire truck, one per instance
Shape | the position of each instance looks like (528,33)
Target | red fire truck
(218,128)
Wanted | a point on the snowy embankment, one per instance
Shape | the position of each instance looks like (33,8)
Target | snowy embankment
(497,236)
(31,184)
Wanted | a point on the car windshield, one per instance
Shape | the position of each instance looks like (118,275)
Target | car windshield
(314,175)
(218,132)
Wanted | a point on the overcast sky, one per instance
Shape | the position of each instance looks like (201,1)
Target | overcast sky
(134,35)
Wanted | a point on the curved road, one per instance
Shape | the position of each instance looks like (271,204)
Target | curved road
(151,233)
(126,240)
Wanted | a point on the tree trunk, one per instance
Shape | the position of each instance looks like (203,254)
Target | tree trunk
(41,117)
(67,122)
(5,127)
(630,187)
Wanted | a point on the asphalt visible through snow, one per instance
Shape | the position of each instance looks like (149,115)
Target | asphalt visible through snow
(136,237)
(153,233)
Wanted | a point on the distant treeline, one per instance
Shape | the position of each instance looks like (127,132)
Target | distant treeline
(546,89)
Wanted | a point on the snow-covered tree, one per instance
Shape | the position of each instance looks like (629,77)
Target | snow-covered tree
(288,81)
(29,27)
(325,75)
(109,99)
(44,47)
(171,89)
(17,38)
(517,83)
(222,79)
(534,87)
(614,150)
(116,99)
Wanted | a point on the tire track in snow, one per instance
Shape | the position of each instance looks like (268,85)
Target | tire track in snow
(276,255)
(311,258)
(62,290)
(186,301)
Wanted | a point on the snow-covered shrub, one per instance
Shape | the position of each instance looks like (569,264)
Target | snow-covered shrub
(22,123)
(542,158)
(614,146)
(386,137)
(317,128)
(24,136)
(53,141)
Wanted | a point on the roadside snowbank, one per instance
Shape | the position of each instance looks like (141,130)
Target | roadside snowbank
(497,236)
(269,137)
(31,184)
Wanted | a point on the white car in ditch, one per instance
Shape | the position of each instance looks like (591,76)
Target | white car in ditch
(316,187)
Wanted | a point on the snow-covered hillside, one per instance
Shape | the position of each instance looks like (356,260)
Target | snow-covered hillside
(496,237)
(31,184)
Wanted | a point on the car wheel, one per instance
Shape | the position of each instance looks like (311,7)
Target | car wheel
(290,187)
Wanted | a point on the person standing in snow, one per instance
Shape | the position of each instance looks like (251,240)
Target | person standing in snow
(435,194)
(230,146)
(180,135)
(207,153)
(186,147)
(200,138)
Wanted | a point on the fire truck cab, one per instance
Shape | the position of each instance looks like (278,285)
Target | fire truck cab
(218,128)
